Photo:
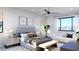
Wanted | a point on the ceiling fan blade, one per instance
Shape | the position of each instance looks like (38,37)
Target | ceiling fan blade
(45,10)
(44,14)
(48,12)
(54,13)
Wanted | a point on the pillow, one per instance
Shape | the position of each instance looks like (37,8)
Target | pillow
(32,35)
(24,37)
(69,35)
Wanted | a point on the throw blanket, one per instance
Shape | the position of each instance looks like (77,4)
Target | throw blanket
(38,40)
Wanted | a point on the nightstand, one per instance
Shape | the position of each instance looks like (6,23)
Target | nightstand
(10,42)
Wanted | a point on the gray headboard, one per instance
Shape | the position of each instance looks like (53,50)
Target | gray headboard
(25,29)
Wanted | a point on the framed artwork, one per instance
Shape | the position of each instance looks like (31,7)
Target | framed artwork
(23,21)
(29,21)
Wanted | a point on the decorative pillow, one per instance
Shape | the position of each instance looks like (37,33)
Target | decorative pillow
(32,35)
(69,35)
(24,37)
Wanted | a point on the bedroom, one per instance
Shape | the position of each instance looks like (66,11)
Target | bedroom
(23,17)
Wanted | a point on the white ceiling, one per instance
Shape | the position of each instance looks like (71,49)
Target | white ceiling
(57,10)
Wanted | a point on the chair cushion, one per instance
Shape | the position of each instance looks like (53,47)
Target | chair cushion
(2,43)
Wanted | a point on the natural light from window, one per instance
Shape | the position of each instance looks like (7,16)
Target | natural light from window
(66,24)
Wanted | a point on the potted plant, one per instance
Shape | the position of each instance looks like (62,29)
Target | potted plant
(46,28)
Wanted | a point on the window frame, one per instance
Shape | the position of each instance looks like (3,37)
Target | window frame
(2,27)
(71,30)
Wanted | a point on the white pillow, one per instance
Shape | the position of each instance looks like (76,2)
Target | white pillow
(24,37)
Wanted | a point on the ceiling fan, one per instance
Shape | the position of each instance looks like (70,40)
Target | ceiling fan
(48,12)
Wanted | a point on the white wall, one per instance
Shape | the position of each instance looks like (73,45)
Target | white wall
(11,17)
(51,20)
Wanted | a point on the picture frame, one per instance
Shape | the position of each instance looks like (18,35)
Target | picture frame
(23,21)
(30,21)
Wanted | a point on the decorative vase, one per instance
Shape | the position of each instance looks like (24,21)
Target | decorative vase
(46,29)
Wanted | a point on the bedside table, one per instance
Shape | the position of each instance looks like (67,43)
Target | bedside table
(12,42)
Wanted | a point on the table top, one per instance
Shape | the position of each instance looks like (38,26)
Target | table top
(72,45)
(11,41)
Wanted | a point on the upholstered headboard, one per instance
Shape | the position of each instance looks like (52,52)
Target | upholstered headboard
(25,29)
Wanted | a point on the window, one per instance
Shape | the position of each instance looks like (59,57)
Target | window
(65,24)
